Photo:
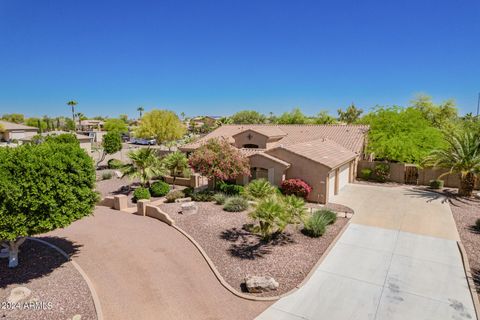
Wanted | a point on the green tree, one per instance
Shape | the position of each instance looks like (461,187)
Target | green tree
(37,123)
(441,116)
(248,117)
(163,125)
(350,115)
(140,111)
(124,118)
(115,125)
(224,120)
(43,187)
(80,116)
(177,164)
(145,165)
(324,118)
(69,124)
(218,160)
(111,143)
(14,117)
(401,134)
(72,104)
(294,117)
(460,156)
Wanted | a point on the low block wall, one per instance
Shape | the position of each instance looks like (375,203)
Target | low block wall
(194,181)
(155,212)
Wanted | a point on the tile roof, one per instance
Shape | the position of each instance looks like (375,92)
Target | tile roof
(15,126)
(323,151)
(261,152)
(268,131)
(350,137)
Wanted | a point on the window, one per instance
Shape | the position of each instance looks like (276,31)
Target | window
(250,146)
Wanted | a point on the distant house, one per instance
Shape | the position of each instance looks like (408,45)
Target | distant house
(91,125)
(324,156)
(85,141)
(14,131)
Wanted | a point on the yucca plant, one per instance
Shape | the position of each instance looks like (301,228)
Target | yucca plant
(460,156)
(259,189)
(145,165)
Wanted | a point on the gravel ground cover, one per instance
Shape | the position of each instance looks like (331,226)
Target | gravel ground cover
(51,286)
(237,252)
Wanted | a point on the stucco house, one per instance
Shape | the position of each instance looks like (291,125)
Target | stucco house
(85,141)
(324,156)
(14,131)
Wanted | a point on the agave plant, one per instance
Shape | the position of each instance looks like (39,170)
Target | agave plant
(259,189)
(460,156)
(145,165)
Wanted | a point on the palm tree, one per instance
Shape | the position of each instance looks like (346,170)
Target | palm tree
(80,116)
(460,156)
(140,110)
(177,163)
(182,114)
(145,165)
(72,103)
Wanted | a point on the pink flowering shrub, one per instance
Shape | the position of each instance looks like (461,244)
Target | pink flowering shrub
(296,187)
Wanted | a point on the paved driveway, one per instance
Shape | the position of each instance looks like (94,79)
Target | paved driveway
(142,269)
(398,259)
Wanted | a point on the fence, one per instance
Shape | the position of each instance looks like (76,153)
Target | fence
(399,173)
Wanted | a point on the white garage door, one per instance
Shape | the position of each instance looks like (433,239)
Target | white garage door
(331,185)
(343,175)
(17,135)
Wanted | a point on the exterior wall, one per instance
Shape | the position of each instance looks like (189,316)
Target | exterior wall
(257,139)
(194,181)
(87,146)
(10,134)
(257,161)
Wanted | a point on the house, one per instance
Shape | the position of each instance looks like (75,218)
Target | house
(85,141)
(324,156)
(14,131)
(91,125)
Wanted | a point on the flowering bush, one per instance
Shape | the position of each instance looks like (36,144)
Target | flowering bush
(296,187)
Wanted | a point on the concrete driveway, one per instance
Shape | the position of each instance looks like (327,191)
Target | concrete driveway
(398,259)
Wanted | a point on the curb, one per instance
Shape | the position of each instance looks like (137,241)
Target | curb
(227,286)
(96,300)
(468,274)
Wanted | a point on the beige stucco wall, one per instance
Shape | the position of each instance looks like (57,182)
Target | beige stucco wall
(258,139)
(258,161)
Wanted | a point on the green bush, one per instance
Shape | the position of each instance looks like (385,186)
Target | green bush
(203,196)
(436,184)
(220,198)
(141,193)
(366,173)
(235,204)
(188,191)
(107,175)
(229,189)
(295,208)
(316,225)
(259,189)
(159,189)
(382,172)
(271,217)
(329,215)
(174,195)
(114,164)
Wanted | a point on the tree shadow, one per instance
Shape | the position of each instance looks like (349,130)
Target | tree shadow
(429,195)
(476,279)
(36,260)
(249,246)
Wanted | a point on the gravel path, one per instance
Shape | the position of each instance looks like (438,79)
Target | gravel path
(58,291)
(237,253)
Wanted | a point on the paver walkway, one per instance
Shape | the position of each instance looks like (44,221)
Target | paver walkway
(398,259)
(142,269)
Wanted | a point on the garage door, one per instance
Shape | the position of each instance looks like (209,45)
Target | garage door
(331,185)
(343,175)
(17,135)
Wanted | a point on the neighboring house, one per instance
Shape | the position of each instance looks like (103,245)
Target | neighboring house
(324,156)
(85,141)
(91,125)
(15,131)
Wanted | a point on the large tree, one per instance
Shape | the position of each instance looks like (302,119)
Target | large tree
(441,115)
(248,117)
(401,134)
(350,115)
(218,160)
(162,125)
(117,125)
(43,187)
(111,143)
(14,117)
(72,104)
(460,156)
(144,165)
(324,117)
(294,117)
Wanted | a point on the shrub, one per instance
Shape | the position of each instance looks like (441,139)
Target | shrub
(259,189)
(366,173)
(174,195)
(271,216)
(107,175)
(203,196)
(159,188)
(295,208)
(235,204)
(316,225)
(141,193)
(436,184)
(329,215)
(229,189)
(296,187)
(382,172)
(114,164)
(188,191)
(220,198)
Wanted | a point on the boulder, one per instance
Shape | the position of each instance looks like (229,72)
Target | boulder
(182,200)
(189,207)
(258,284)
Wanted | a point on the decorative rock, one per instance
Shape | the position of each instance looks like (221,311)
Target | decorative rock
(189,208)
(257,284)
(118,174)
(182,200)
(18,294)
(77,317)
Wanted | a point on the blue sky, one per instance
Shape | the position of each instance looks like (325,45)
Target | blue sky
(218,57)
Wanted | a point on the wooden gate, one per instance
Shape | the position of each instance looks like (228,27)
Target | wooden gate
(411,174)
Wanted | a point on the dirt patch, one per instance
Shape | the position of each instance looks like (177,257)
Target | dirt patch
(237,253)
(57,290)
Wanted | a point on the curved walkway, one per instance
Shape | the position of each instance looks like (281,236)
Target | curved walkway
(143,269)
(397,260)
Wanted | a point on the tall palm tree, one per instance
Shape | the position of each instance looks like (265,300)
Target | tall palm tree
(145,165)
(140,110)
(80,116)
(460,156)
(72,103)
